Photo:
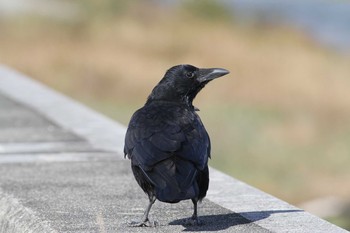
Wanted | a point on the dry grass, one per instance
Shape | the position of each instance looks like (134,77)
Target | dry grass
(280,120)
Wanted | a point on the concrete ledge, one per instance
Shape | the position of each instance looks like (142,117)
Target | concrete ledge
(101,131)
(15,218)
(268,213)
(263,209)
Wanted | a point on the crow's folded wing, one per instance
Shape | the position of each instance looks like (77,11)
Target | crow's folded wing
(156,134)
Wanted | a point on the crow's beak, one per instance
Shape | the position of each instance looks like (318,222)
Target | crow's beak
(206,75)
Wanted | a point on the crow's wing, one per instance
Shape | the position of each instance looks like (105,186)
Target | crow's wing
(156,133)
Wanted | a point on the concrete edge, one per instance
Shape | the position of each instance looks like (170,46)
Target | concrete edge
(14,217)
(104,133)
(63,110)
(263,209)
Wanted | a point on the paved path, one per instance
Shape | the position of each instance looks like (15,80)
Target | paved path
(62,170)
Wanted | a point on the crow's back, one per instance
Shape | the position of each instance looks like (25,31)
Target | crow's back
(169,148)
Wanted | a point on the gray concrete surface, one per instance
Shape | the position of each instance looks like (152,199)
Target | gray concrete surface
(62,170)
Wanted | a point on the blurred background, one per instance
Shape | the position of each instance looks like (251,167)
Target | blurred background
(280,121)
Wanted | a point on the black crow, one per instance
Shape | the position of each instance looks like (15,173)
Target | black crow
(167,143)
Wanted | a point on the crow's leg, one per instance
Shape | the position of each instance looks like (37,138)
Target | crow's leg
(195,216)
(194,221)
(145,221)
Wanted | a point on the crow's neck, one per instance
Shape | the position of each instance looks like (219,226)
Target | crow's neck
(161,94)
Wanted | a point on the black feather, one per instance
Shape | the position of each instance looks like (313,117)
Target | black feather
(166,141)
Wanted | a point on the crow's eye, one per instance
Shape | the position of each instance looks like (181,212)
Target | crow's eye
(190,74)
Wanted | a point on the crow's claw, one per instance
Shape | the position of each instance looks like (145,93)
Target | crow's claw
(143,224)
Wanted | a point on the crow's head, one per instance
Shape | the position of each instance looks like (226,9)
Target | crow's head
(183,82)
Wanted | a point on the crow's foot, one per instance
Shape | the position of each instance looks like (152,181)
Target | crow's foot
(143,224)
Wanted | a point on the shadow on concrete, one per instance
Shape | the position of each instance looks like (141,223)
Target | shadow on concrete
(225,221)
